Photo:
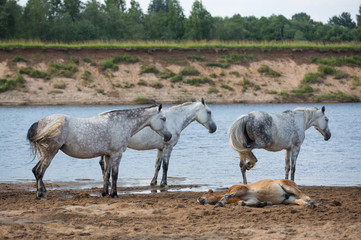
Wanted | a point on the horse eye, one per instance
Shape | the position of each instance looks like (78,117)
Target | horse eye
(163,119)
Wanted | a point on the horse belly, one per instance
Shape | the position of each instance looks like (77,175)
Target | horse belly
(269,191)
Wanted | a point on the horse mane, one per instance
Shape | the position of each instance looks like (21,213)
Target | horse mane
(308,114)
(126,111)
(181,105)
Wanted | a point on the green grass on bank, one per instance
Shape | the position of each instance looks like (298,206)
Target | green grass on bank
(263,45)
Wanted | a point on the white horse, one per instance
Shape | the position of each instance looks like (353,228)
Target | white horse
(106,134)
(275,132)
(178,118)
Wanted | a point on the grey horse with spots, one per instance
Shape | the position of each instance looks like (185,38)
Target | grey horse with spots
(178,118)
(106,134)
(275,132)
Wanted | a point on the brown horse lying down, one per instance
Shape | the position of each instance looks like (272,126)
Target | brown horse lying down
(259,194)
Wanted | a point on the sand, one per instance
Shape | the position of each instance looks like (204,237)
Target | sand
(84,214)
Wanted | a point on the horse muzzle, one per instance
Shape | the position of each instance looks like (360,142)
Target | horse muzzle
(167,136)
(212,128)
(327,136)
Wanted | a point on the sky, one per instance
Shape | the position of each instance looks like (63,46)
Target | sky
(319,10)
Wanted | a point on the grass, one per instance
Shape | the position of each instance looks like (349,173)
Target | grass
(19,59)
(11,84)
(338,97)
(196,58)
(142,82)
(212,90)
(313,77)
(167,74)
(266,70)
(338,61)
(143,100)
(199,81)
(226,86)
(188,71)
(34,73)
(215,64)
(59,85)
(303,89)
(8,44)
(235,58)
(63,70)
(125,59)
(157,85)
(148,69)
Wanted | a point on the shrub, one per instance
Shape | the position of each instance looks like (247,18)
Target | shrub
(11,84)
(235,58)
(199,81)
(313,78)
(166,74)
(215,64)
(142,100)
(177,78)
(156,84)
(59,85)
(142,82)
(212,90)
(149,69)
(108,63)
(264,69)
(19,59)
(327,70)
(188,71)
(256,87)
(86,59)
(235,73)
(63,70)
(271,91)
(339,97)
(304,89)
(34,73)
(195,57)
(125,58)
(73,60)
(225,86)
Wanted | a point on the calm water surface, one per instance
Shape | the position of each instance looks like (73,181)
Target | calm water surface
(199,157)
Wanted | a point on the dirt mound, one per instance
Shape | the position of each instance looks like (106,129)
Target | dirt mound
(175,76)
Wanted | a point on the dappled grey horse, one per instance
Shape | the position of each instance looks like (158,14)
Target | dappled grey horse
(178,118)
(106,134)
(275,132)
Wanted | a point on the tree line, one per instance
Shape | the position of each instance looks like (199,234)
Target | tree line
(73,20)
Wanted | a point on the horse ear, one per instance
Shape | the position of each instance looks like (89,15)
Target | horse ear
(202,101)
(210,191)
(323,109)
(160,107)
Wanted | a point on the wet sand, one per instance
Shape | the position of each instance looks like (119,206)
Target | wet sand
(84,214)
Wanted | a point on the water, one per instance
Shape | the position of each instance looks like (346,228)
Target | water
(199,158)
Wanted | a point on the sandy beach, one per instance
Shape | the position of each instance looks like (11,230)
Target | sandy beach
(84,214)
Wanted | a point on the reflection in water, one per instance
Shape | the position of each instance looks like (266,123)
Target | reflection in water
(199,158)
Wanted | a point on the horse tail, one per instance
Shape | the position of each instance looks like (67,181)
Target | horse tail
(37,137)
(237,137)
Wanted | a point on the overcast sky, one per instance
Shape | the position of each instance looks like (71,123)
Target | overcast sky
(319,10)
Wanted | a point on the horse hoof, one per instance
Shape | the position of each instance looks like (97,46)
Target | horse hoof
(40,196)
(219,205)
(114,195)
(104,194)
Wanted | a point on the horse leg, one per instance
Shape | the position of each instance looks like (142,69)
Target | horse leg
(39,171)
(254,202)
(294,156)
(242,165)
(224,199)
(296,195)
(166,155)
(287,163)
(158,164)
(101,163)
(252,160)
(115,161)
(106,174)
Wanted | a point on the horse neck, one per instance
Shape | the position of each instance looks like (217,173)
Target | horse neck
(184,115)
(309,117)
(141,120)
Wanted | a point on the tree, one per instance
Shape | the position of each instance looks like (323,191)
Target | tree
(36,20)
(73,8)
(117,4)
(199,23)
(134,19)
(10,16)
(344,20)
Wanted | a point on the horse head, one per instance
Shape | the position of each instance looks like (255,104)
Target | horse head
(204,117)
(321,124)
(209,198)
(157,123)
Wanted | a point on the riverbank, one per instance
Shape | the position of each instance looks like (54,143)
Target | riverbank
(51,76)
(83,214)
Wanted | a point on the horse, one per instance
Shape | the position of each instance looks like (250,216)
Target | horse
(259,194)
(275,132)
(106,134)
(178,118)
